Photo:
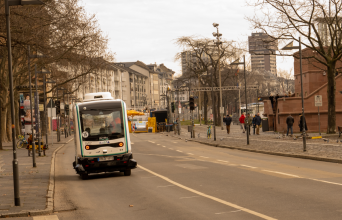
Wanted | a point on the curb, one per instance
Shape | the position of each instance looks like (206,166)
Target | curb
(270,153)
(49,196)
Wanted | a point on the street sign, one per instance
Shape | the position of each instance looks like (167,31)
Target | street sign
(180,110)
(318,100)
(221,110)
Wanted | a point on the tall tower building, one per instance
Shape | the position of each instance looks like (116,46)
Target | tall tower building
(262,49)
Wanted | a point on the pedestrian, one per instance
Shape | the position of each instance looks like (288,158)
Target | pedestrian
(289,122)
(248,123)
(301,123)
(257,123)
(228,122)
(253,124)
(242,122)
(224,120)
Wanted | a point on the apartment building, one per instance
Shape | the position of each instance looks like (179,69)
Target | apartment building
(262,49)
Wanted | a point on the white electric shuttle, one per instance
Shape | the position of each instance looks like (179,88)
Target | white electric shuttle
(102,141)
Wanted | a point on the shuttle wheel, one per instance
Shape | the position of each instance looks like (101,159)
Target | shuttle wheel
(84,176)
(127,172)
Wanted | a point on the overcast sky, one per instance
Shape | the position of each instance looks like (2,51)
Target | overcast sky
(146,30)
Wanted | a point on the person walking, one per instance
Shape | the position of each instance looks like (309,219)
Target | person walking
(248,123)
(289,122)
(242,122)
(257,121)
(228,122)
(253,124)
(301,123)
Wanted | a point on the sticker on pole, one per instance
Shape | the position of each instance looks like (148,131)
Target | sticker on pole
(221,110)
(318,100)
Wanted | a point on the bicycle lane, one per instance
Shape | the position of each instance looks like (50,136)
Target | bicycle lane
(33,182)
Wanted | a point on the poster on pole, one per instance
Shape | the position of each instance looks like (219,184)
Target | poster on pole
(318,100)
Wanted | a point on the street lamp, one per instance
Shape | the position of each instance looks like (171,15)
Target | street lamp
(58,119)
(236,62)
(15,162)
(51,100)
(217,34)
(291,47)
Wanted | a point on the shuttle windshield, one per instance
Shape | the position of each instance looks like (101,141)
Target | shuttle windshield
(101,122)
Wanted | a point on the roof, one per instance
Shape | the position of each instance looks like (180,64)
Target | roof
(122,66)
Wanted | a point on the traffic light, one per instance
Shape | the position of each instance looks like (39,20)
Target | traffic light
(66,109)
(58,107)
(172,107)
(192,103)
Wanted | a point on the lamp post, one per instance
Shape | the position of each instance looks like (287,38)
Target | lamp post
(50,81)
(236,62)
(291,47)
(58,120)
(15,162)
(217,34)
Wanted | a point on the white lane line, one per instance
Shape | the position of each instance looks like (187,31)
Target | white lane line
(223,161)
(190,153)
(323,181)
(70,140)
(171,148)
(179,151)
(204,157)
(247,166)
(189,197)
(208,196)
(174,142)
(152,142)
(286,174)
(132,143)
(158,144)
(219,213)
(166,186)
(163,146)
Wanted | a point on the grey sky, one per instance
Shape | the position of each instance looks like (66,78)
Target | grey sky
(145,30)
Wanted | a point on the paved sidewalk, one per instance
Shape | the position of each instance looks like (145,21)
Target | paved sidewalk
(33,182)
(269,142)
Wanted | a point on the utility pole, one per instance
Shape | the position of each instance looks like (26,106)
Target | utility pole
(218,42)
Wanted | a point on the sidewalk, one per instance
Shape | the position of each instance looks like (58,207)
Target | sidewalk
(269,142)
(33,182)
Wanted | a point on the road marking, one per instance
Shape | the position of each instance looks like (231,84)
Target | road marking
(325,181)
(179,151)
(158,144)
(204,157)
(190,153)
(174,142)
(286,174)
(208,196)
(189,197)
(166,186)
(171,148)
(163,146)
(48,217)
(70,140)
(227,212)
(151,142)
(248,166)
(223,161)
(132,143)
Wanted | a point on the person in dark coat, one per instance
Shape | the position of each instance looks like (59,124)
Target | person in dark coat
(253,124)
(228,122)
(257,122)
(301,123)
(289,122)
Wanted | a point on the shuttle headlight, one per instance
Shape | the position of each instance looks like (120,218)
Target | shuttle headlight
(121,144)
(87,147)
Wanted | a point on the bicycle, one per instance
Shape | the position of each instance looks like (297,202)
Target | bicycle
(21,142)
(209,132)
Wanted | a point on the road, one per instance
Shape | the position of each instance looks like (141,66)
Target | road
(186,180)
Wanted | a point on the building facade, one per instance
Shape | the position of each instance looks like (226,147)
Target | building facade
(262,49)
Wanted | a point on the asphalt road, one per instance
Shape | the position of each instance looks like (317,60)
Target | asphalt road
(187,180)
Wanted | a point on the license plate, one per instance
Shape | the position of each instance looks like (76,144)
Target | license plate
(106,158)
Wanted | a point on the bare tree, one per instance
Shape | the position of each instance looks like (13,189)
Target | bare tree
(318,23)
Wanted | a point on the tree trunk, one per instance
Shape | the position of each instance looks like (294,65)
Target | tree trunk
(331,88)
(0,125)
(205,107)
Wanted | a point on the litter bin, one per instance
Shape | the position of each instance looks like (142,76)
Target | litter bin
(264,124)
